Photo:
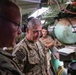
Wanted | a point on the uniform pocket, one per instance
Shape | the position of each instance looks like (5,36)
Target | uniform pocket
(33,57)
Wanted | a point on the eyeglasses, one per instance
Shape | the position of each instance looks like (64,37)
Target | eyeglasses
(18,25)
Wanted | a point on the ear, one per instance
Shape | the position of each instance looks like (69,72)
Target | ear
(27,30)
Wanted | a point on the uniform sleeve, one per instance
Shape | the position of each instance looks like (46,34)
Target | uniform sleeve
(7,65)
(50,39)
(6,70)
(20,56)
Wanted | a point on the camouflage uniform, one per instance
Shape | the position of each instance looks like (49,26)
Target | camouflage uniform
(31,57)
(7,65)
(47,40)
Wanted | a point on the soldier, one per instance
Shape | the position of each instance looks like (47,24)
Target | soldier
(10,19)
(30,53)
(48,42)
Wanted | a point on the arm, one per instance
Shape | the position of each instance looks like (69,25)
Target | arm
(20,56)
(49,45)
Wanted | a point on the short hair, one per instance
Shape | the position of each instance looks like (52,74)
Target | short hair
(46,28)
(29,19)
(5,4)
(31,22)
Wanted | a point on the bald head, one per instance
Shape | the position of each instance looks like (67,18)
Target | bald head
(10,19)
(33,22)
(9,9)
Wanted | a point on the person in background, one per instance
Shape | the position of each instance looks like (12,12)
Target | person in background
(10,20)
(30,52)
(48,42)
(45,38)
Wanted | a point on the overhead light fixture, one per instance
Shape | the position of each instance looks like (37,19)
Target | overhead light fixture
(39,12)
(42,21)
(35,1)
